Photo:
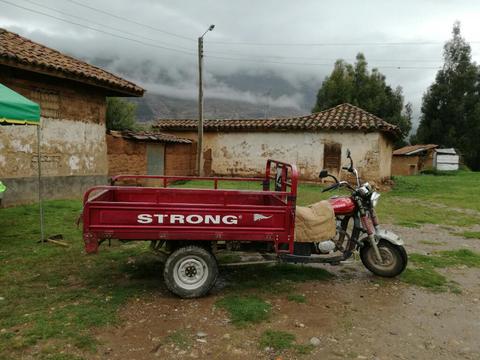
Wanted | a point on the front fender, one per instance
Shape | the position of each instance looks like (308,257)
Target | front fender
(389,236)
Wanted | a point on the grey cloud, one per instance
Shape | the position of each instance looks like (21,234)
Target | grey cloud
(270,21)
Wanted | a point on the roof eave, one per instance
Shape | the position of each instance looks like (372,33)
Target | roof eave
(114,90)
(147,138)
(390,133)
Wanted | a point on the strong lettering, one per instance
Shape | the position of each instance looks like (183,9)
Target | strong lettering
(192,219)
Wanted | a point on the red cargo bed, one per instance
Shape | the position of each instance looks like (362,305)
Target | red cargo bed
(167,213)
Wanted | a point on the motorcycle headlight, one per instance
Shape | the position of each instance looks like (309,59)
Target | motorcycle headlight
(363,190)
(374,198)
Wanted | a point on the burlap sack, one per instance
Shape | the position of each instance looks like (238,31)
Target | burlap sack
(315,222)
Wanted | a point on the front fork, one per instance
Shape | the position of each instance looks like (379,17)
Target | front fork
(370,224)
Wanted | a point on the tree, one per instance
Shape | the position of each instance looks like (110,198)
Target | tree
(354,84)
(451,105)
(120,114)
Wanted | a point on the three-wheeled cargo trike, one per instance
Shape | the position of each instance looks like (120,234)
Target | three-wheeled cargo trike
(192,224)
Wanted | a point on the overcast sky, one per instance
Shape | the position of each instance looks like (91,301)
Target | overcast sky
(292,39)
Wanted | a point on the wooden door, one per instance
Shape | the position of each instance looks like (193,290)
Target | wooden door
(332,157)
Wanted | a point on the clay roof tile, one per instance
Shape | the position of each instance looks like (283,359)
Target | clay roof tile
(149,136)
(16,50)
(341,117)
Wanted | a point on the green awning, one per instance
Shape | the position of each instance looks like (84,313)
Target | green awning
(17,109)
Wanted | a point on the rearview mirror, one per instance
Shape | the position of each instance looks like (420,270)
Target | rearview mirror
(323,174)
(348,153)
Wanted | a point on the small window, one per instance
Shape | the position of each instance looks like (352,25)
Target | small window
(332,155)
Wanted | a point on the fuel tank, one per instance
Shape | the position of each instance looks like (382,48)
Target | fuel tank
(342,205)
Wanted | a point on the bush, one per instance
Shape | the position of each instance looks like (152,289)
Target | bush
(120,114)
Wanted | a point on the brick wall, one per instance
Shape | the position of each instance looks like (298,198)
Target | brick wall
(426,162)
(130,157)
(58,98)
(405,165)
(126,157)
(180,159)
(413,164)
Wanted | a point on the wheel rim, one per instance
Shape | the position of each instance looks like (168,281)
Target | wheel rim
(388,257)
(191,272)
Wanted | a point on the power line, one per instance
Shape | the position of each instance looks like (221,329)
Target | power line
(97,30)
(191,53)
(321,64)
(237,54)
(246,43)
(98,24)
(130,20)
(326,44)
(279,57)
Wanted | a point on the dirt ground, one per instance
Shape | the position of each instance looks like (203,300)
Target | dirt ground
(355,315)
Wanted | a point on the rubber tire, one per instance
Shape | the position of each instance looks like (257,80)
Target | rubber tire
(180,254)
(398,251)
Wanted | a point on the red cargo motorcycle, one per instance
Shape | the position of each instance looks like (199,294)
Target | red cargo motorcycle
(190,225)
(381,251)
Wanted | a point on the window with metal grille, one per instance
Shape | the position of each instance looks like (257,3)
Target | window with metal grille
(332,155)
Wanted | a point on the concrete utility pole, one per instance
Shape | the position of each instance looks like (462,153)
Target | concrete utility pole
(200,103)
(267,107)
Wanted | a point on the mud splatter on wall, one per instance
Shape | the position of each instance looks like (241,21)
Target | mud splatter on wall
(73,147)
(245,153)
(66,149)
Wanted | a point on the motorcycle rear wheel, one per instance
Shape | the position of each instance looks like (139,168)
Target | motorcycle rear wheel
(394,259)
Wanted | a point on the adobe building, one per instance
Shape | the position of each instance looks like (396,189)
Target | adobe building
(313,142)
(412,159)
(72,97)
(149,153)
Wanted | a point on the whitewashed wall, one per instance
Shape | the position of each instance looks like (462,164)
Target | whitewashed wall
(245,153)
(73,158)
(67,148)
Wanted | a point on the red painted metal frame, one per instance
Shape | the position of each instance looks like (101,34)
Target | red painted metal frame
(163,213)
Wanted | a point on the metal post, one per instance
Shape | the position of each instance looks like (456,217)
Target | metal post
(40,197)
(200,109)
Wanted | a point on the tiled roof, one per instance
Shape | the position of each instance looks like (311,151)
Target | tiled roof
(149,136)
(413,149)
(16,50)
(341,117)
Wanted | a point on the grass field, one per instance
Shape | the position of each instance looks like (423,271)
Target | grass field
(436,199)
(52,297)
(458,190)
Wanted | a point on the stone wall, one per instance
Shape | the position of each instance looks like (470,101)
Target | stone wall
(245,153)
(73,148)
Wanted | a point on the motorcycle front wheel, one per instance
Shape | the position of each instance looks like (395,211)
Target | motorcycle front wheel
(394,259)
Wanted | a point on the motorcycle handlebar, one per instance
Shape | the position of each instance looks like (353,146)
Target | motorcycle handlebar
(331,187)
(337,185)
